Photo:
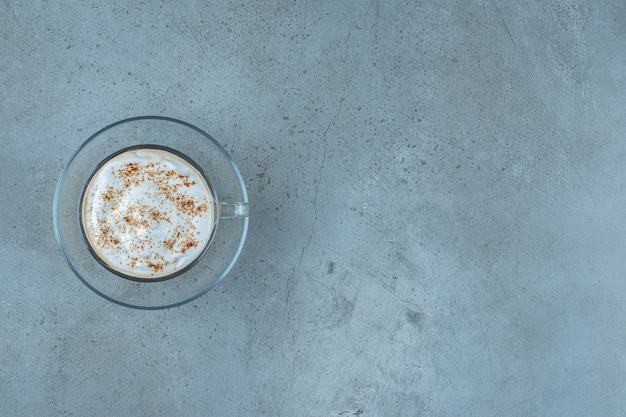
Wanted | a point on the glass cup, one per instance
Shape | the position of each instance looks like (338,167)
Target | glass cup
(228,197)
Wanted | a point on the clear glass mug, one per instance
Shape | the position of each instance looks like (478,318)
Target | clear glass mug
(228,192)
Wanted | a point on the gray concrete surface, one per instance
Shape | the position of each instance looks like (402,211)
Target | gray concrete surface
(437,191)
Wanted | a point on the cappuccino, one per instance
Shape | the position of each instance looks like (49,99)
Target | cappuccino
(148,213)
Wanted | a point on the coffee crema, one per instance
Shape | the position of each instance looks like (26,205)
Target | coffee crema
(148,213)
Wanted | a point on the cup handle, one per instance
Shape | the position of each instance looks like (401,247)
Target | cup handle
(232,210)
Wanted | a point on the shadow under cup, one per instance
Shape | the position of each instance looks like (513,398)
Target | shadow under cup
(230,212)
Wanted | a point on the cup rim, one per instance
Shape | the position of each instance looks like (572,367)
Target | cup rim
(174,274)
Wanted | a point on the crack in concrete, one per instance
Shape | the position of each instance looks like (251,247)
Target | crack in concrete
(8,4)
(315,215)
(506,27)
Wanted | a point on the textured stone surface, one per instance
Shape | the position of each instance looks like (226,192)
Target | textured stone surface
(437,194)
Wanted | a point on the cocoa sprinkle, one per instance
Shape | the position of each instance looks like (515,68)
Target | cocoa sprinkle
(169,244)
(106,238)
(179,243)
(129,173)
(104,235)
(135,222)
(156,267)
(189,207)
(157,216)
(188,244)
(168,182)
(142,216)
(109,194)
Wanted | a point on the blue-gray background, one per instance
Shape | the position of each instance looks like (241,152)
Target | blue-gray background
(437,188)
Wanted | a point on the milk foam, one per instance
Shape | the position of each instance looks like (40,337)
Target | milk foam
(148,213)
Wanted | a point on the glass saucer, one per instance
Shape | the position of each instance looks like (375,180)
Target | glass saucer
(208,154)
